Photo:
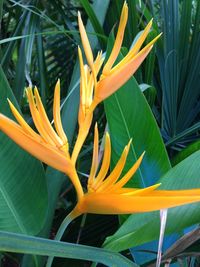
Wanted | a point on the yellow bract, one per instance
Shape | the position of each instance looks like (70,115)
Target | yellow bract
(107,195)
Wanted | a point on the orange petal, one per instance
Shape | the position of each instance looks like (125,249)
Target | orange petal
(99,203)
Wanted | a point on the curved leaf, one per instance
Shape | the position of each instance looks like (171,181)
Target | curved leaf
(39,246)
(129,116)
(23,192)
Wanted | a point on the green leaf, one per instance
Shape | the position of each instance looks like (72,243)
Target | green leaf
(129,116)
(23,192)
(94,19)
(142,228)
(183,154)
(39,246)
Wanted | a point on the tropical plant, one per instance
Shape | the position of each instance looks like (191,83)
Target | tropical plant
(39,45)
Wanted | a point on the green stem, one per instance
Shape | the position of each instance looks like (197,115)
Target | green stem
(70,217)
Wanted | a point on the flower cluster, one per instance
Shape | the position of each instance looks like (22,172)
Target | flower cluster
(105,194)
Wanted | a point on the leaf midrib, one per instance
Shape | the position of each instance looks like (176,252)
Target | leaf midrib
(11,207)
(129,136)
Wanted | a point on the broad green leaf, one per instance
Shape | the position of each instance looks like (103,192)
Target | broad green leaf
(10,242)
(129,116)
(23,192)
(186,152)
(141,228)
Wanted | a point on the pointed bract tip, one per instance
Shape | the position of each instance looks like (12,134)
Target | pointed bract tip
(125,5)
(36,90)
(130,141)
(107,135)
(27,90)
(149,24)
(128,145)
(96,127)
(10,103)
(143,153)
(57,87)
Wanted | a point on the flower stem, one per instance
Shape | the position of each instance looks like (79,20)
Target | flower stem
(70,217)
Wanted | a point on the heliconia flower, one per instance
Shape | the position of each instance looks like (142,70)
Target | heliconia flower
(112,78)
(107,194)
(48,145)
(94,90)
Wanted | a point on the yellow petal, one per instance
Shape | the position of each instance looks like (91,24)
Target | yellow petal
(82,112)
(141,192)
(174,193)
(118,41)
(42,151)
(108,85)
(36,117)
(83,78)
(23,123)
(94,158)
(133,191)
(98,62)
(134,50)
(83,132)
(129,174)
(105,164)
(85,41)
(115,174)
(86,46)
(131,55)
(46,123)
(99,203)
(56,114)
